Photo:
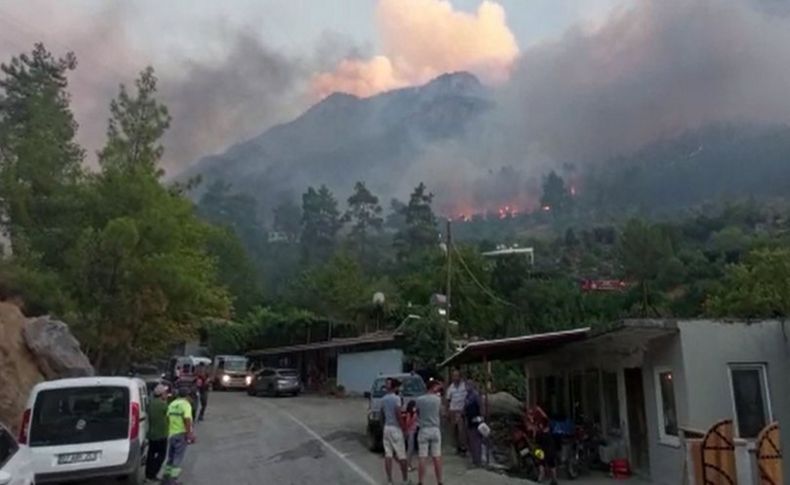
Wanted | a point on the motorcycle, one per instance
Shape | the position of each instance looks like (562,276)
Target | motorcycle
(528,457)
(570,456)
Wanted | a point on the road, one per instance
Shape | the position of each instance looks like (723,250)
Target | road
(304,440)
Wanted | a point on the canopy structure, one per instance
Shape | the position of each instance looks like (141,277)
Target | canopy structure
(363,340)
(515,347)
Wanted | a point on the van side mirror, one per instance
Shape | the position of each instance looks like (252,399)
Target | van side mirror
(366,394)
(5,478)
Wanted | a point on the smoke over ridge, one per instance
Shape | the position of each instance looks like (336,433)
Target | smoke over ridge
(650,70)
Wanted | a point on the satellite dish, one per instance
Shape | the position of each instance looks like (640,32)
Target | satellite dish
(379,298)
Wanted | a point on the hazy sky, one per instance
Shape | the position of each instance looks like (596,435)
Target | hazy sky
(197,27)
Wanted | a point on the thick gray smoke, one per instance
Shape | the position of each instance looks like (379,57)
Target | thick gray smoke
(213,105)
(652,70)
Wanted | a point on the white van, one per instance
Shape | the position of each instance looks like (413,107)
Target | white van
(88,427)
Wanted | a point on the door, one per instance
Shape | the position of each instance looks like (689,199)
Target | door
(637,419)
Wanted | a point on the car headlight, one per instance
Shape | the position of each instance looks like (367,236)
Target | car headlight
(225,378)
(248,380)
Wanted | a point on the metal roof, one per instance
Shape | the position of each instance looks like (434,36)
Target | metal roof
(515,347)
(627,332)
(508,251)
(375,338)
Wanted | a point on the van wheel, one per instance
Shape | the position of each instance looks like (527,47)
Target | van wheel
(138,476)
(374,443)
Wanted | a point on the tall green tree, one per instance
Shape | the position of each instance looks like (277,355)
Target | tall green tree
(140,271)
(644,250)
(40,163)
(420,232)
(364,214)
(137,123)
(320,224)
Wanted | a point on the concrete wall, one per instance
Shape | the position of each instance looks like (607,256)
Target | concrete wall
(666,460)
(709,347)
(356,371)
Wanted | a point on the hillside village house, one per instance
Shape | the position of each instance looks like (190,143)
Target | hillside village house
(653,385)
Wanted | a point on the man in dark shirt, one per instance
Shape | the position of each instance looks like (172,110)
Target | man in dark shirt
(157,432)
(202,382)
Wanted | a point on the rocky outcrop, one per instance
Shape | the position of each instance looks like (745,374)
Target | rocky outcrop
(33,350)
(18,369)
(57,352)
(504,404)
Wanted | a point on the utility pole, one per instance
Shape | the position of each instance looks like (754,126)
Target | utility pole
(448,290)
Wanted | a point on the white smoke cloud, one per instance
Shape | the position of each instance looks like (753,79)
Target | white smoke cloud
(422,39)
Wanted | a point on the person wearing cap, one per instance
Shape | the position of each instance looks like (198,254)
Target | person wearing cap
(394,442)
(180,435)
(157,433)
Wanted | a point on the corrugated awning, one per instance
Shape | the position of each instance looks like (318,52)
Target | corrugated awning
(515,347)
(377,338)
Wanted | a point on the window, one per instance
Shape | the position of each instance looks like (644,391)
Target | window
(750,398)
(78,415)
(667,408)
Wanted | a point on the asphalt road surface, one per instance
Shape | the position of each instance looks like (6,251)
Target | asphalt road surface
(247,440)
(304,440)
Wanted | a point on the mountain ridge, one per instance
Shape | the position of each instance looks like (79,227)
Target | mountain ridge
(343,134)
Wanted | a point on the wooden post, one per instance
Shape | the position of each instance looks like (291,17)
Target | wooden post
(448,291)
(487,365)
(526,386)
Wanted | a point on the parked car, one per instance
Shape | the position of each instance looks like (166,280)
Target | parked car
(230,372)
(275,382)
(16,466)
(412,387)
(86,428)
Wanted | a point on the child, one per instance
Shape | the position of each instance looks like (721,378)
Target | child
(411,432)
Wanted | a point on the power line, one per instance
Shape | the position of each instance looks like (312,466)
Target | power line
(489,292)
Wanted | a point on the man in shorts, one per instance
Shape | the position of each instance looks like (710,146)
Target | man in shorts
(456,400)
(429,437)
(394,442)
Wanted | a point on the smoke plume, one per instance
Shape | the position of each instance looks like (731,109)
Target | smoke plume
(422,39)
(652,70)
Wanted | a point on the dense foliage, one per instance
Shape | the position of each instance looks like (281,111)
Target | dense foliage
(120,256)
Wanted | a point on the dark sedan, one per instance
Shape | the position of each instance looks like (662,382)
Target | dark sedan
(275,382)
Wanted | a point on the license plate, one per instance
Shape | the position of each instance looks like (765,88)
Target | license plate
(524,452)
(85,456)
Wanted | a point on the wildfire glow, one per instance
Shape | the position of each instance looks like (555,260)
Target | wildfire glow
(424,38)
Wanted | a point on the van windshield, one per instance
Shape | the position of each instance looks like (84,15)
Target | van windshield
(410,387)
(80,415)
(236,365)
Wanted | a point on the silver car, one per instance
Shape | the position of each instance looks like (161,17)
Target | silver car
(275,382)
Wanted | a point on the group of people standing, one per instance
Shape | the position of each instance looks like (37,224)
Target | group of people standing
(418,425)
(172,425)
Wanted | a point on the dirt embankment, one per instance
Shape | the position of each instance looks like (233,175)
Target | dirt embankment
(18,369)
